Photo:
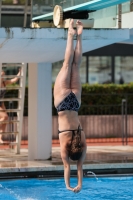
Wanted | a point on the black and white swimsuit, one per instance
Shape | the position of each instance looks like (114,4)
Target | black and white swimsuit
(69,103)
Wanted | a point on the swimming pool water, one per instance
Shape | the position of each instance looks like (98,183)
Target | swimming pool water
(112,188)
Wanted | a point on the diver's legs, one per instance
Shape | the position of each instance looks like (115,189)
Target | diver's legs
(75,75)
(62,83)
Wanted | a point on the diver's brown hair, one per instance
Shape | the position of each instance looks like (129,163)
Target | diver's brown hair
(75,149)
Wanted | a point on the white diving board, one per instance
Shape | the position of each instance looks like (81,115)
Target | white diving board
(90,6)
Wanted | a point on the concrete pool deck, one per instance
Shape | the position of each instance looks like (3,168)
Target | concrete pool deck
(116,159)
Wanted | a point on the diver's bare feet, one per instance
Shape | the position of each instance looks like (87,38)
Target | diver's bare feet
(71,29)
(79,25)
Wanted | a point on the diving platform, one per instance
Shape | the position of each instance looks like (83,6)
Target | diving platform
(48,45)
(80,11)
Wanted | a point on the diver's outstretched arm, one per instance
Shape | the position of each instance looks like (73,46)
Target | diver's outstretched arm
(80,170)
(66,163)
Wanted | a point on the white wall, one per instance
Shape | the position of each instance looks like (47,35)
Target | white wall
(48,44)
(40,111)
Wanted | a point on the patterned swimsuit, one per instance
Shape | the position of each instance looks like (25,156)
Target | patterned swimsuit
(69,103)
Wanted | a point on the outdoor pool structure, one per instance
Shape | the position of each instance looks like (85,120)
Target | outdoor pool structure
(94,188)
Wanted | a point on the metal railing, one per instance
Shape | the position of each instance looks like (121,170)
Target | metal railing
(107,124)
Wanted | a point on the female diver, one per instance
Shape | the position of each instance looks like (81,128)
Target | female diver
(67,100)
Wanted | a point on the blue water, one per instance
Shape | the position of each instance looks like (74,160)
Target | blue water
(113,188)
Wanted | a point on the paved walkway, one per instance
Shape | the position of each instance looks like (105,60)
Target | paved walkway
(98,157)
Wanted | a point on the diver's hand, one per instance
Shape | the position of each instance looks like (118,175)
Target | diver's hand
(77,189)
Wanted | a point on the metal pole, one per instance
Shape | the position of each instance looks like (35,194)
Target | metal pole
(11,126)
(131,5)
(72,2)
(87,69)
(25,13)
(119,16)
(123,121)
(31,15)
(113,70)
(126,122)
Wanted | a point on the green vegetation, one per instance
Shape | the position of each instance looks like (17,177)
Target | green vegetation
(96,99)
(105,98)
